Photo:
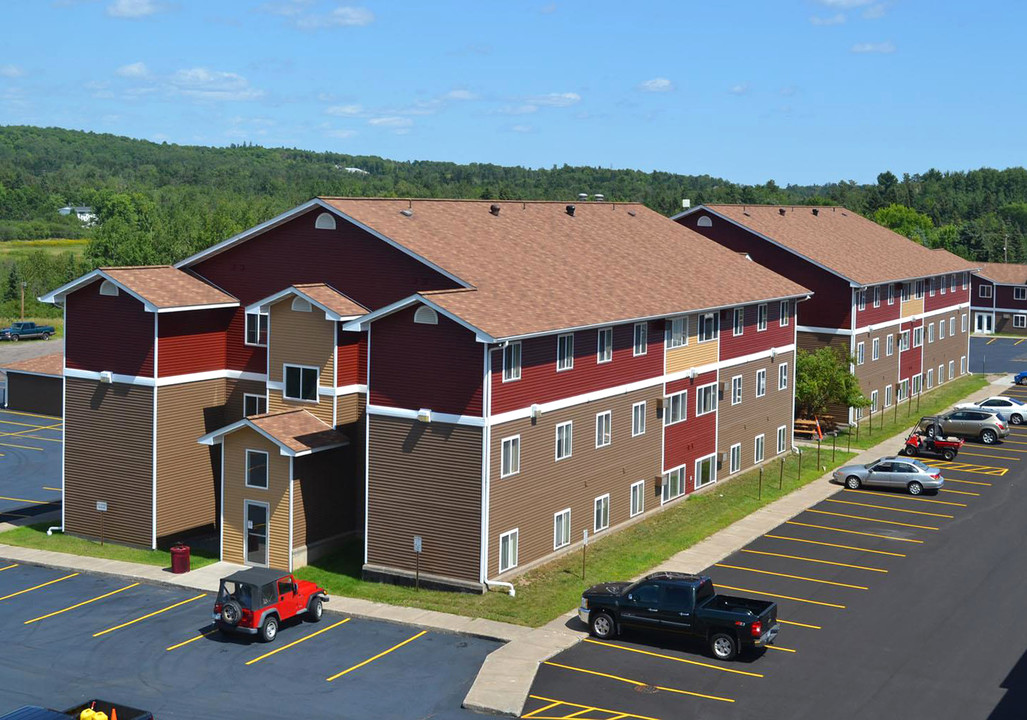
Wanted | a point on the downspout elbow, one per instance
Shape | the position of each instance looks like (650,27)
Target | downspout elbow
(500,583)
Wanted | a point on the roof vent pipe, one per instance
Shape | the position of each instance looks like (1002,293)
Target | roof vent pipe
(582,197)
(570,210)
(599,197)
(816,211)
(686,203)
(781,211)
(407,212)
(494,209)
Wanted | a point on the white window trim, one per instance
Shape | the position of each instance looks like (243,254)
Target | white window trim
(965,321)
(888,396)
(644,326)
(317,384)
(761,323)
(633,409)
(267,532)
(608,331)
(502,456)
(930,378)
(782,439)
(245,329)
(782,376)
(889,346)
(930,286)
(861,299)
(874,396)
(684,407)
(761,390)
(515,533)
(259,397)
(784,318)
(962,365)
(860,352)
(665,496)
(569,337)
(891,294)
(683,319)
(741,390)
(918,332)
(567,524)
(981,291)
(556,452)
(716,327)
(641,497)
(952,326)
(267,470)
(877,296)
(930,332)
(731,459)
(875,349)
(712,460)
(520,358)
(698,399)
(759,442)
(1020,321)
(736,330)
(609,420)
(595,508)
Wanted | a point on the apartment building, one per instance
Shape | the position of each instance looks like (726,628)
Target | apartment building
(998,299)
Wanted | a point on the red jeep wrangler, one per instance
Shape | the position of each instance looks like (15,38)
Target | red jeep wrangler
(258,600)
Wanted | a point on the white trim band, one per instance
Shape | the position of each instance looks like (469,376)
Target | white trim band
(165,381)
(406,414)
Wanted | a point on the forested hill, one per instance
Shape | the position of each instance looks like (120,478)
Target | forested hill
(160,202)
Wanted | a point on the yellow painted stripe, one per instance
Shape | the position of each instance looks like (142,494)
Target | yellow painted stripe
(853,532)
(873,520)
(101,597)
(31,502)
(578,713)
(372,659)
(12,565)
(1019,341)
(959,492)
(799,624)
(1014,442)
(814,560)
(991,341)
(50,488)
(969,482)
(27,414)
(202,635)
(31,426)
(889,509)
(1001,448)
(991,457)
(784,597)
(23,447)
(564,702)
(637,682)
(534,713)
(791,577)
(778,647)
(297,642)
(836,545)
(671,657)
(36,587)
(149,615)
(904,497)
(31,437)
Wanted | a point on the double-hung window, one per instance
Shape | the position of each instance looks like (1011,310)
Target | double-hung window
(930,332)
(677,332)
(564,440)
(301,382)
(785,311)
(604,345)
(873,401)
(736,390)
(887,396)
(508,550)
(860,355)
(561,529)
(676,409)
(641,339)
(256,328)
(919,289)
(256,469)
(782,438)
(962,365)
(942,283)
(638,419)
(708,326)
(930,378)
(604,429)
(877,296)
(941,329)
(930,286)
(889,347)
(739,322)
(761,382)
(564,352)
(602,513)
(511,462)
(907,291)
(904,340)
(782,376)
(706,399)
(965,316)
(952,326)
(735,458)
(953,281)
(891,294)
(861,299)
(918,336)
(875,349)
(761,317)
(758,449)
(985,291)
(637,497)
(512,362)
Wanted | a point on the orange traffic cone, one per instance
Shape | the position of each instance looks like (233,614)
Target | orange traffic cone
(114,713)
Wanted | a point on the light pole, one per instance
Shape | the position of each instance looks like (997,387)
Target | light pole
(23,299)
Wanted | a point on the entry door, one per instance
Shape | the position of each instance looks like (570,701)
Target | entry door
(256,533)
(983,324)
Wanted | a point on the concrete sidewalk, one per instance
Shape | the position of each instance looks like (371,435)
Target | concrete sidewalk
(505,678)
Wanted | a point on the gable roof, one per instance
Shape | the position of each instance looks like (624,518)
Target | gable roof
(536,268)
(160,288)
(52,364)
(295,432)
(335,304)
(1004,273)
(841,241)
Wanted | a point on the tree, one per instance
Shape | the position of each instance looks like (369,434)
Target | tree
(822,380)
(905,221)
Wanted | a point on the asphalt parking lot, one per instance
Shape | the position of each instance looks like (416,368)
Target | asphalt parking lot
(30,464)
(69,637)
(891,606)
(997,354)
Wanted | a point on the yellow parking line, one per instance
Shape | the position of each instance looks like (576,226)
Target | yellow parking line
(637,683)
(990,457)
(1018,342)
(889,509)
(21,592)
(202,635)
(32,502)
(12,565)
(32,426)
(23,447)
(905,497)
(31,437)
(959,492)
(969,482)
(991,341)
(1001,449)
(50,488)
(799,624)
(814,560)
(553,703)
(149,615)
(784,597)
(372,659)
(873,520)
(297,642)
(101,597)
(778,647)
(671,657)
(534,713)
(853,532)
(27,414)
(1014,442)
(843,547)
(790,577)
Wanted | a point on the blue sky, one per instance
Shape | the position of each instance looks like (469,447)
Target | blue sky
(799,91)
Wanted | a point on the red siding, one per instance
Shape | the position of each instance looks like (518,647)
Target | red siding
(830,305)
(873,316)
(352,357)
(910,361)
(540,382)
(425,366)
(693,438)
(975,298)
(958,297)
(192,341)
(751,341)
(1003,295)
(239,355)
(108,333)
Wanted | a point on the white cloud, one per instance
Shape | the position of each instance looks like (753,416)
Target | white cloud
(883,48)
(875,12)
(740,89)
(826,21)
(11,71)
(341,134)
(523,128)
(659,84)
(344,110)
(548,9)
(133,9)
(287,9)
(845,4)
(133,70)
(459,95)
(204,84)
(342,16)
(555,99)
(391,121)
(523,109)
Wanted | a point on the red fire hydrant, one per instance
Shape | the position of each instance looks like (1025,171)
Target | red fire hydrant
(179,558)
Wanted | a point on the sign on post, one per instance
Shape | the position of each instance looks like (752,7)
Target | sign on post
(417,543)
(417,561)
(101,506)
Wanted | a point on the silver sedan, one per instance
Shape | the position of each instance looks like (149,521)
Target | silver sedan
(893,472)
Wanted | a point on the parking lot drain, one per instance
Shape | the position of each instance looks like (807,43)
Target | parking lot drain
(647,689)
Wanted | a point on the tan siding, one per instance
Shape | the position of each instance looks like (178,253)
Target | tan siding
(321,409)
(425,479)
(528,500)
(236,493)
(108,445)
(877,375)
(913,306)
(754,416)
(234,392)
(694,353)
(34,393)
(301,338)
(811,342)
(327,495)
(350,408)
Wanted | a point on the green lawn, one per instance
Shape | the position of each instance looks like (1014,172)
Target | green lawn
(34,536)
(52,246)
(552,589)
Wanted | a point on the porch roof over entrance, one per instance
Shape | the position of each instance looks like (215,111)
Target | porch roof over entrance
(295,432)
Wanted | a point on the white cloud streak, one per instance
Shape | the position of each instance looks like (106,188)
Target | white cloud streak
(203,84)
(883,48)
(845,4)
(656,85)
(11,71)
(133,9)
(827,21)
(133,70)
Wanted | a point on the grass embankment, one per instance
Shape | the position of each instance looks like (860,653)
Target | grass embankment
(900,417)
(11,249)
(34,536)
(552,589)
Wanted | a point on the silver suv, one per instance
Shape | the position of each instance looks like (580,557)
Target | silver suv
(982,424)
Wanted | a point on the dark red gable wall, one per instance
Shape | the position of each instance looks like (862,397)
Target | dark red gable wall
(192,341)
(975,297)
(830,304)
(540,382)
(751,341)
(425,366)
(1003,295)
(693,438)
(871,315)
(950,298)
(108,333)
(352,357)
(910,360)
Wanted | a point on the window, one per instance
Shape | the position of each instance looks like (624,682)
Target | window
(761,317)
(426,316)
(860,355)
(678,332)
(736,390)
(877,296)
(511,464)
(1020,321)
(673,484)
(604,345)
(891,294)
(256,469)
(761,382)
(602,513)
(300,304)
(964,321)
(508,550)
(918,336)
(907,291)
(706,399)
(930,378)
(941,329)
(873,401)
(564,352)
(637,497)
(782,376)
(890,345)
(757,454)
(641,343)
(739,322)
(919,291)
(952,369)
(861,299)
(512,362)
(324,221)
(941,373)
(604,429)
(705,472)
(941,282)
(985,291)
(301,382)
(638,419)
(254,404)
(903,390)
(917,384)
(785,311)
(256,328)
(962,365)
(561,529)
(952,326)
(930,332)
(875,349)
(709,324)
(564,440)
(676,409)
(953,283)
(782,438)
(964,281)
(887,396)
(904,340)
(735,461)
(931,284)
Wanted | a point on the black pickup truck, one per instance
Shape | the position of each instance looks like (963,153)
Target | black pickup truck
(680,603)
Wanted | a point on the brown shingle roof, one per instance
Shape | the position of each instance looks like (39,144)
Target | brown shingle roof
(535,268)
(844,242)
(332,299)
(166,287)
(298,430)
(52,364)
(1004,273)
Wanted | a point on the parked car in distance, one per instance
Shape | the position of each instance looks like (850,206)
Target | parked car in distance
(259,600)
(26,330)
(85,711)
(1015,410)
(1020,378)
(893,472)
(684,604)
(984,424)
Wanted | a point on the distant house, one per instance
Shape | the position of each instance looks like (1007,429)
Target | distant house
(999,299)
(354,170)
(82,212)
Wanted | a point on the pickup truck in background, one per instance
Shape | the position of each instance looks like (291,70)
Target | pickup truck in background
(26,330)
(680,603)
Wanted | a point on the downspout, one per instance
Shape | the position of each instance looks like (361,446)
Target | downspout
(64,416)
(500,583)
